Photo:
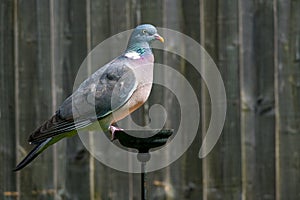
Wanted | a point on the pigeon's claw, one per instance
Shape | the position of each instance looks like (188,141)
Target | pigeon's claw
(112,130)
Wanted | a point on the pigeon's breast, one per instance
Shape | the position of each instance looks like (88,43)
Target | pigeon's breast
(144,77)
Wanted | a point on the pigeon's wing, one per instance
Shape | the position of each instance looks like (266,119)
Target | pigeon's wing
(102,93)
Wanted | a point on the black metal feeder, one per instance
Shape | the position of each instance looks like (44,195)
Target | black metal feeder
(157,138)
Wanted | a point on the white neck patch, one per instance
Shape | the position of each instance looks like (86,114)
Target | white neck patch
(132,55)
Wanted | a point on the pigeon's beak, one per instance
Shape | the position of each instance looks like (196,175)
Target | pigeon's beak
(158,37)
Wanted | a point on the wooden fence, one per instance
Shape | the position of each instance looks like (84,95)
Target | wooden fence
(255,44)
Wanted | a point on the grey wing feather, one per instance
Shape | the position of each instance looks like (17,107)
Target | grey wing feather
(108,89)
(101,94)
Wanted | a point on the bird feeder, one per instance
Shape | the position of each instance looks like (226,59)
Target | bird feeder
(157,139)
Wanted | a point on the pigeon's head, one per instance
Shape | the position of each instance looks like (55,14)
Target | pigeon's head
(145,33)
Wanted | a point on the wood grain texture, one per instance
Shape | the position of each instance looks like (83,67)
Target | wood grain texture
(256,46)
(287,98)
(228,64)
(99,31)
(263,46)
(192,165)
(34,98)
(221,168)
(8,179)
(74,49)
(248,98)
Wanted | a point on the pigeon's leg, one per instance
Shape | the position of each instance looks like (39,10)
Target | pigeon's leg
(112,130)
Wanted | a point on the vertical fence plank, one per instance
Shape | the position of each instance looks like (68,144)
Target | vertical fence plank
(248,98)
(26,51)
(174,176)
(8,188)
(222,173)
(209,41)
(73,30)
(263,44)
(57,53)
(100,30)
(287,93)
(34,98)
(62,75)
(228,63)
(221,169)
(42,100)
(192,186)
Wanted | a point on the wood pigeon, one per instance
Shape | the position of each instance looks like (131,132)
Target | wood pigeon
(107,96)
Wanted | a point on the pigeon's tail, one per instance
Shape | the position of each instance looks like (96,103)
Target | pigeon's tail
(39,148)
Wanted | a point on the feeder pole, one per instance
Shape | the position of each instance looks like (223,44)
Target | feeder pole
(157,138)
(143,181)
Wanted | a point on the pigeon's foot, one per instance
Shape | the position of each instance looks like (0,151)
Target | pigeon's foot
(112,130)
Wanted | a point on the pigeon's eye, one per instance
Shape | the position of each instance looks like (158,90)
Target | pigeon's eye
(144,31)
